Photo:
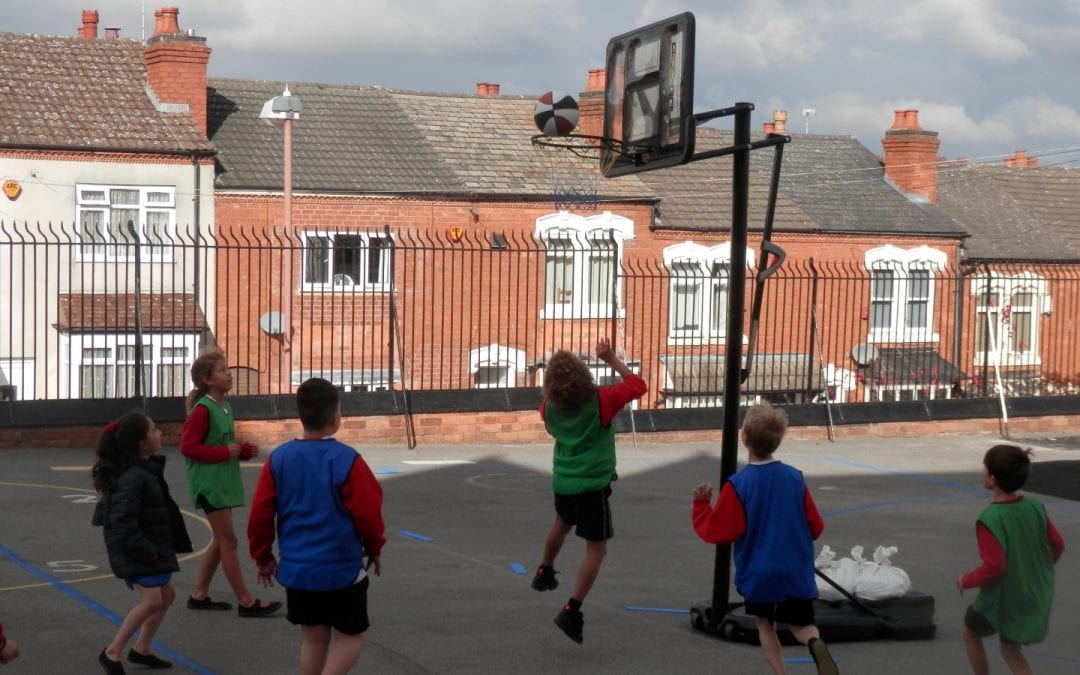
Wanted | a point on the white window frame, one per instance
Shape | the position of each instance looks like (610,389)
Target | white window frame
(111,245)
(340,281)
(1005,289)
(576,236)
(18,373)
(713,264)
(182,348)
(502,362)
(901,263)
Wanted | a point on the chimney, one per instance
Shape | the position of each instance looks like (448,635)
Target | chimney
(487,89)
(1021,160)
(176,66)
(591,104)
(89,24)
(112,33)
(768,127)
(911,156)
(779,121)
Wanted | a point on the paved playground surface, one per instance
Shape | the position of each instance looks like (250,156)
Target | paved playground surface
(465,527)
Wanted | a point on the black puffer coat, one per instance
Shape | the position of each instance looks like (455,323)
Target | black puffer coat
(141,521)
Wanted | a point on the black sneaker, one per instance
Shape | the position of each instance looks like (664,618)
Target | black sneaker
(545,579)
(822,658)
(571,622)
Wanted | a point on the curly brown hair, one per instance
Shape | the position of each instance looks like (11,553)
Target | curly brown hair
(568,383)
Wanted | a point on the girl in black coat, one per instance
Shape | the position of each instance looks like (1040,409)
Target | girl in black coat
(143,530)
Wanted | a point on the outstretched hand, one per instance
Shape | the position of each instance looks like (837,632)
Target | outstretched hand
(603,350)
(703,491)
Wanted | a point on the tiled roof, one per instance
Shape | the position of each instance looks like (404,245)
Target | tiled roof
(111,313)
(1014,213)
(827,184)
(84,94)
(372,140)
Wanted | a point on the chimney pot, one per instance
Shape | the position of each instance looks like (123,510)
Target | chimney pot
(780,121)
(166,22)
(597,79)
(89,24)
(768,127)
(112,33)
(487,89)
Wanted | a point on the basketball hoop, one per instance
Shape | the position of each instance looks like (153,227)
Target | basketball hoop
(575,163)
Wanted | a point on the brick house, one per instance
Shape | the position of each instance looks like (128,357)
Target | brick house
(96,132)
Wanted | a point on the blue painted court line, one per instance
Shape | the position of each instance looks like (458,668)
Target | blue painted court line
(413,535)
(662,610)
(803,659)
(518,567)
(98,608)
(385,471)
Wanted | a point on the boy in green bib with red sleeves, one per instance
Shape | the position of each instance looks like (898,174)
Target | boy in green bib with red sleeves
(1018,545)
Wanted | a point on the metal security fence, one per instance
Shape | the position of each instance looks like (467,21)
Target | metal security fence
(93,314)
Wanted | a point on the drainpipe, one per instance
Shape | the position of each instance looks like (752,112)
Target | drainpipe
(197,281)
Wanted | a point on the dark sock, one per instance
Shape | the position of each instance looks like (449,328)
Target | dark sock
(544,569)
(572,605)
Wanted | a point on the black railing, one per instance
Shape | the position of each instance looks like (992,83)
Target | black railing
(83,317)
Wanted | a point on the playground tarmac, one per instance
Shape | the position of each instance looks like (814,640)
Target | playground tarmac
(465,527)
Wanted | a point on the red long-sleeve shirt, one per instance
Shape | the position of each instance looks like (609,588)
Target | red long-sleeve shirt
(726,522)
(993,556)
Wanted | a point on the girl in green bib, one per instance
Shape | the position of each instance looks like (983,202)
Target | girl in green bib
(208,444)
(1018,545)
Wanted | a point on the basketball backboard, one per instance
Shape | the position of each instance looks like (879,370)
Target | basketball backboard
(648,96)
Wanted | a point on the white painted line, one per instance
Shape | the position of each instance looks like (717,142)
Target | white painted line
(70,468)
(437,461)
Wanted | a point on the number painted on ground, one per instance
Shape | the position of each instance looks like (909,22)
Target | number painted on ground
(70,566)
(81,499)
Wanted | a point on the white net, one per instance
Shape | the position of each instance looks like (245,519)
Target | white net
(574,168)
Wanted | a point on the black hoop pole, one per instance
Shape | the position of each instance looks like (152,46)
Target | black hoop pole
(729,449)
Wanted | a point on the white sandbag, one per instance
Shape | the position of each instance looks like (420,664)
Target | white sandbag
(881,580)
(843,572)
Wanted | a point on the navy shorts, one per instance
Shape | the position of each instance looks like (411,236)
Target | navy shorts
(979,626)
(343,609)
(588,512)
(791,612)
(150,581)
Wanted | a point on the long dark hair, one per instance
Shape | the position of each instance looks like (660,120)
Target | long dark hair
(200,370)
(118,448)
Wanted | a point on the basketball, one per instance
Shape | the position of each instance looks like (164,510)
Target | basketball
(556,114)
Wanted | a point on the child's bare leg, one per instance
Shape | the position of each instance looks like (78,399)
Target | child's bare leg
(1015,658)
(770,644)
(313,649)
(150,601)
(554,541)
(150,626)
(804,633)
(344,653)
(207,566)
(222,526)
(590,568)
(976,654)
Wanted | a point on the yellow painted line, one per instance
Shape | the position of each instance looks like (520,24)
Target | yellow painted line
(194,516)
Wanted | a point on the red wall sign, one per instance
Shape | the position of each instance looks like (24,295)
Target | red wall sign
(12,189)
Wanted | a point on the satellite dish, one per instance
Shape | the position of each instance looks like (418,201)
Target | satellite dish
(864,354)
(272,323)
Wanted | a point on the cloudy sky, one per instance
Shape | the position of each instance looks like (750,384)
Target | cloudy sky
(991,76)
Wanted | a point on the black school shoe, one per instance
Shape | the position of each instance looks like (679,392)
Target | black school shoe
(571,622)
(111,667)
(545,579)
(258,609)
(822,658)
(149,660)
(207,603)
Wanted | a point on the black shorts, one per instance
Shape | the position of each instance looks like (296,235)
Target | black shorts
(589,512)
(979,626)
(791,612)
(344,609)
(202,503)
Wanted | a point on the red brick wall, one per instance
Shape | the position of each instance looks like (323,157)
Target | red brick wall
(494,428)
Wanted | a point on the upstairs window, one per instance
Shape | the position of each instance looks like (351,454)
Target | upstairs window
(581,263)
(345,261)
(902,293)
(1007,311)
(104,212)
(698,296)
